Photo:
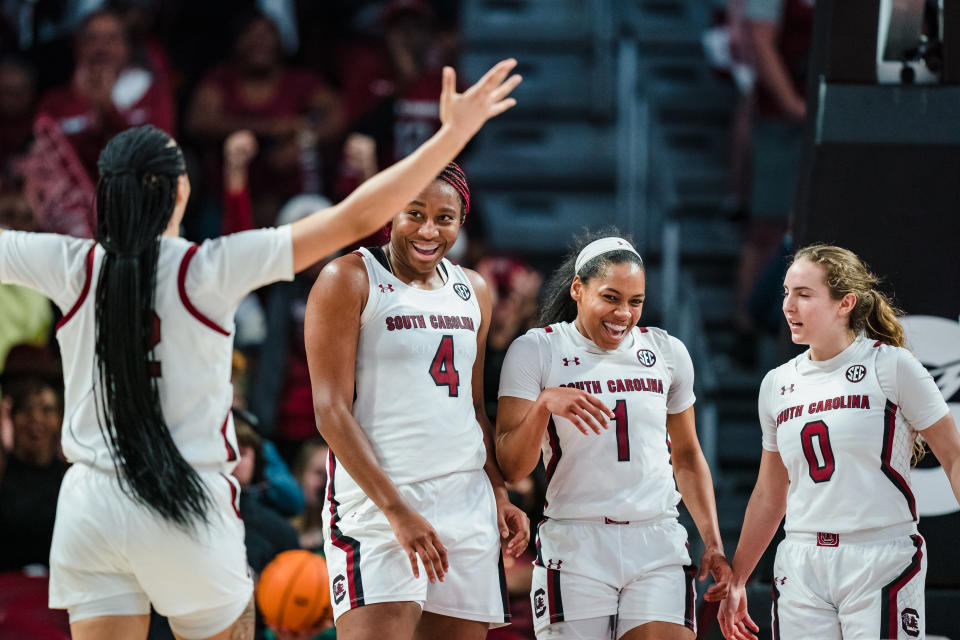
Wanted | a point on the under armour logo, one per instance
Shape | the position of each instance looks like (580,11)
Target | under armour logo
(567,361)
(783,390)
(779,581)
(551,562)
(384,288)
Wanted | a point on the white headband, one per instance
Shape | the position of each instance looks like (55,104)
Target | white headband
(603,245)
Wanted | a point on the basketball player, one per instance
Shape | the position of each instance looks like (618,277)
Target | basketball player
(611,406)
(147,514)
(840,422)
(395,342)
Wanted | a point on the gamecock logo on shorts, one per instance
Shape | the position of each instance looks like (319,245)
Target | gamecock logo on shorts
(539,604)
(339,591)
(856,373)
(462,290)
(646,357)
(910,621)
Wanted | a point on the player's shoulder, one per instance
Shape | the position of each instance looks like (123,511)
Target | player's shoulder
(347,273)
(658,337)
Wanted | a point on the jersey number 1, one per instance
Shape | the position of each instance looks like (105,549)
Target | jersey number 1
(442,369)
(819,471)
(623,439)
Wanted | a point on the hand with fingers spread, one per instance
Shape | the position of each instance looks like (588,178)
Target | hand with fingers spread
(486,99)
(585,411)
(735,621)
(514,528)
(714,563)
(419,538)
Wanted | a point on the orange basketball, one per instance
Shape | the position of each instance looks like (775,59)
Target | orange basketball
(293,592)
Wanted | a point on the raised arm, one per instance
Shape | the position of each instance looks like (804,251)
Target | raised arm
(696,486)
(331,332)
(765,510)
(375,201)
(513,522)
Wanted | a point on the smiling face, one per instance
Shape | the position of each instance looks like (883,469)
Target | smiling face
(425,230)
(609,305)
(813,315)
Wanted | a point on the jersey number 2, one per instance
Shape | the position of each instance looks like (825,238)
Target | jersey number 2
(442,369)
(821,467)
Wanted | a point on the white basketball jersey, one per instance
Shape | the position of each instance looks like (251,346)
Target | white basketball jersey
(624,473)
(414,378)
(845,429)
(197,293)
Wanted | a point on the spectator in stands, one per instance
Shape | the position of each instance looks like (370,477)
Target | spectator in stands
(391,89)
(25,315)
(109,91)
(311,472)
(780,34)
(30,475)
(18,97)
(291,111)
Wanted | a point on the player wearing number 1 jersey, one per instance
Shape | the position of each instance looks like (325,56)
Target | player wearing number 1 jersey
(839,424)
(610,405)
(416,505)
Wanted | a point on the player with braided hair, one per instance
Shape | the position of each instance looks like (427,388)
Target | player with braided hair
(839,423)
(147,514)
(416,506)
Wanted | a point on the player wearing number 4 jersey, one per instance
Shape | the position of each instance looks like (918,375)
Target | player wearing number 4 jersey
(416,506)
(610,404)
(840,422)
(148,512)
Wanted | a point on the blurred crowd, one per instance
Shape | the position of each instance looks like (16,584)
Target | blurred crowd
(281,106)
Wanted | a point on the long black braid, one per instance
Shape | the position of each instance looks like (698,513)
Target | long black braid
(139,170)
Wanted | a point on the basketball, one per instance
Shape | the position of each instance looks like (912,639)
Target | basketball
(293,592)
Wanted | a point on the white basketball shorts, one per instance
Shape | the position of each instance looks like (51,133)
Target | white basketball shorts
(367,565)
(639,572)
(112,556)
(859,585)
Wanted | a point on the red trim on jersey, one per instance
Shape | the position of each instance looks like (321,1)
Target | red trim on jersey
(554,601)
(889,609)
(182,288)
(231,452)
(690,598)
(548,329)
(877,343)
(889,430)
(555,450)
(350,546)
(83,292)
(775,594)
(233,495)
(642,329)
(356,253)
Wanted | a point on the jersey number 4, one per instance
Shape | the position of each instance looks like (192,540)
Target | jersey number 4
(819,456)
(442,369)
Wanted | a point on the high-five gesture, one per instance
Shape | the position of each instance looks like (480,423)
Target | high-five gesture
(486,99)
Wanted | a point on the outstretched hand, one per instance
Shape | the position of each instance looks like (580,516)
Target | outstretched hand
(514,528)
(735,621)
(714,563)
(486,99)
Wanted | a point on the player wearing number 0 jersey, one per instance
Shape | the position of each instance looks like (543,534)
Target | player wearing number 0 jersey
(839,426)
(145,514)
(605,401)
(416,506)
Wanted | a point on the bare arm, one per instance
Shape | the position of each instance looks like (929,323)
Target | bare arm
(944,441)
(510,519)
(375,201)
(765,510)
(771,69)
(331,332)
(696,486)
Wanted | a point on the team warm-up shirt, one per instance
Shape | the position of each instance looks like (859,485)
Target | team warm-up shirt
(414,372)
(845,429)
(624,473)
(198,291)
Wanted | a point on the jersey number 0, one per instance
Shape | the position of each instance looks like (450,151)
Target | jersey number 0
(819,471)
